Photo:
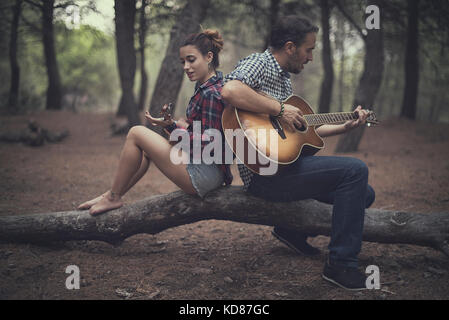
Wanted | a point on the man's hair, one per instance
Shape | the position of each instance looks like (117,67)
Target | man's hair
(290,28)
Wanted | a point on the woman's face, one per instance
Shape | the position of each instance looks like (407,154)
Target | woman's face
(196,66)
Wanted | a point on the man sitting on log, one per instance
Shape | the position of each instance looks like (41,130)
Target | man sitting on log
(341,181)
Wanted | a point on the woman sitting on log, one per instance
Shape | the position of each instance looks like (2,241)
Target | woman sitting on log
(199,57)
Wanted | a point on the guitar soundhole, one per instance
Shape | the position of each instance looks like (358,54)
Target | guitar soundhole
(302,129)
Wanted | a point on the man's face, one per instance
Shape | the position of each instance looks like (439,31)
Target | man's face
(302,54)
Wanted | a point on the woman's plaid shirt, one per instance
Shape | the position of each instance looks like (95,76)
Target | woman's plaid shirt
(206,105)
(261,72)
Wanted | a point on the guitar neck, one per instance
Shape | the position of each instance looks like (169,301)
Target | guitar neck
(329,118)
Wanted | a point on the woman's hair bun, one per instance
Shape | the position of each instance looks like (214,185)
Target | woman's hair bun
(208,40)
(215,37)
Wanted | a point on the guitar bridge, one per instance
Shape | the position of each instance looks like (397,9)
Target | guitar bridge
(278,127)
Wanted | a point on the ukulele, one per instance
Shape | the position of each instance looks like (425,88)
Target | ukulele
(167,112)
(287,145)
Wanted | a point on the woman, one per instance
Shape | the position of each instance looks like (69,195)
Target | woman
(199,56)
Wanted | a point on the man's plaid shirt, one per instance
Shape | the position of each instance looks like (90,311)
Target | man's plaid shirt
(261,72)
(206,105)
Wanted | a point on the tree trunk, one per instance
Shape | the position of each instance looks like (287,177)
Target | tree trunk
(143,73)
(54,90)
(340,47)
(170,76)
(438,101)
(275,6)
(158,213)
(328,81)
(125,11)
(411,62)
(15,70)
(368,87)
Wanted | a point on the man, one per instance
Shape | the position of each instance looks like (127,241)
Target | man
(341,181)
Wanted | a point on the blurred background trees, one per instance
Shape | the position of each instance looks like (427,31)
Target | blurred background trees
(121,56)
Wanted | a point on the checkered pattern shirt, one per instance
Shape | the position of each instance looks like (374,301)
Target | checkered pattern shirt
(206,105)
(261,72)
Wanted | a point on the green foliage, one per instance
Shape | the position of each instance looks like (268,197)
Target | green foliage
(86,58)
(433,65)
(30,57)
(88,67)
(86,61)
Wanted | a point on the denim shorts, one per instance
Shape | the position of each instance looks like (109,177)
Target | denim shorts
(205,177)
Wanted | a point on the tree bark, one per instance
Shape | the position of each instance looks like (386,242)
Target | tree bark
(275,6)
(158,213)
(340,47)
(143,73)
(328,81)
(125,11)
(170,76)
(368,87)
(54,90)
(15,70)
(411,62)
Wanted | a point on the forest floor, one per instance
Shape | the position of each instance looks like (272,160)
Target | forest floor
(409,169)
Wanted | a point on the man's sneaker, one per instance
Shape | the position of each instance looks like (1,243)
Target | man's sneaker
(345,277)
(295,240)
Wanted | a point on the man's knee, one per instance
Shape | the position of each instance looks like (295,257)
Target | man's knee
(370,196)
(358,168)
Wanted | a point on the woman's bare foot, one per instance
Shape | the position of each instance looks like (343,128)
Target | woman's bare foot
(88,204)
(106,203)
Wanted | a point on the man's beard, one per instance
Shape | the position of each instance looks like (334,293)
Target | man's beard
(291,68)
(296,71)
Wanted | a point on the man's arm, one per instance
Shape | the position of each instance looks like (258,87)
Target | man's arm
(238,94)
(241,96)
(328,130)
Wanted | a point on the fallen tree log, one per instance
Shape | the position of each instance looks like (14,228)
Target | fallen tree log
(158,213)
(33,135)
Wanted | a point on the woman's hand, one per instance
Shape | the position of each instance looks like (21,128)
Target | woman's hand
(183,123)
(352,124)
(164,121)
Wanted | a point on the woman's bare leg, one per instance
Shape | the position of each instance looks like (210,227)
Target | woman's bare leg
(139,174)
(158,149)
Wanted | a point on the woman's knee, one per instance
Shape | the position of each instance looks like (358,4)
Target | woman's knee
(137,132)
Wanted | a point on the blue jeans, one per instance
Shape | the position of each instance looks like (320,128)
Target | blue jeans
(341,181)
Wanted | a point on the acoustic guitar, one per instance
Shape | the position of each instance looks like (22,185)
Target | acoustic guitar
(266,141)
